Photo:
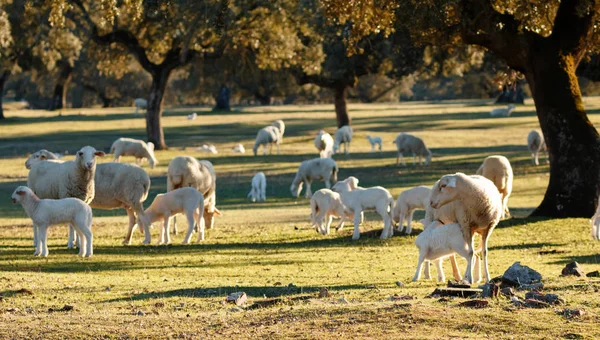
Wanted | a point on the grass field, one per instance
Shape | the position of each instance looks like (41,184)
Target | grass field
(268,250)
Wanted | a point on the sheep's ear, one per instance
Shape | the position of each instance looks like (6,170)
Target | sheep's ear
(452,182)
(43,157)
(217,212)
(99,153)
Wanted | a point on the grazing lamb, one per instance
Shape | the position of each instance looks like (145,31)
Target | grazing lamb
(140,103)
(343,135)
(208,148)
(47,212)
(324,143)
(267,136)
(498,170)
(409,201)
(40,155)
(238,148)
(325,204)
(439,241)
(192,116)
(188,201)
(134,147)
(357,199)
(259,187)
(503,111)
(536,143)
(322,169)
(280,125)
(412,144)
(375,141)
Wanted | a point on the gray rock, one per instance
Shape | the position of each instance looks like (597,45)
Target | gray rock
(399,284)
(574,269)
(522,274)
(489,290)
(507,291)
(552,299)
(140,313)
(239,298)
(533,286)
(572,312)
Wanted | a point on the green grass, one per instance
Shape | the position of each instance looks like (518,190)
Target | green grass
(263,248)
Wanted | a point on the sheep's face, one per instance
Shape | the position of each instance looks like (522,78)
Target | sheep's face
(428,159)
(209,217)
(152,162)
(444,192)
(19,194)
(35,158)
(295,190)
(86,157)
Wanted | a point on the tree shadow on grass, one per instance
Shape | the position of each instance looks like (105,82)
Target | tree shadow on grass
(586,259)
(526,246)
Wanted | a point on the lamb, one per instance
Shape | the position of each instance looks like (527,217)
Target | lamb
(325,204)
(324,143)
(375,141)
(208,148)
(409,201)
(536,143)
(596,223)
(498,170)
(47,212)
(259,187)
(134,147)
(343,135)
(503,111)
(40,155)
(357,199)
(408,143)
(192,116)
(238,148)
(324,169)
(188,201)
(140,103)
(268,135)
(280,125)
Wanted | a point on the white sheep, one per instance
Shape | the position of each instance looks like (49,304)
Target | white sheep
(188,201)
(323,169)
(437,242)
(327,204)
(280,125)
(238,148)
(375,141)
(324,143)
(40,155)
(268,135)
(503,111)
(406,204)
(357,199)
(140,103)
(192,116)
(259,188)
(596,223)
(343,135)
(412,144)
(535,144)
(208,148)
(134,147)
(498,170)
(47,212)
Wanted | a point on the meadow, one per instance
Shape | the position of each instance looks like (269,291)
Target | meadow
(268,250)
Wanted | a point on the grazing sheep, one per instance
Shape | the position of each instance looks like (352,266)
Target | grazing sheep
(498,170)
(208,148)
(40,155)
(409,201)
(268,135)
(188,201)
(134,147)
(280,125)
(375,141)
(325,204)
(324,143)
(323,169)
(47,212)
(238,148)
(503,111)
(140,103)
(192,116)
(259,187)
(536,143)
(343,135)
(412,144)
(357,199)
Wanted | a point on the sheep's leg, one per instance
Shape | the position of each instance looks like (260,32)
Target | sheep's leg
(455,270)
(469,272)
(191,223)
(38,244)
(167,226)
(35,236)
(264,149)
(131,215)
(409,221)
(398,158)
(535,156)
(341,224)
(70,243)
(427,270)
(328,226)
(328,184)
(505,211)
(417,276)
(414,159)
(485,236)
(477,270)
(43,242)
(440,270)
(356,234)
(401,221)
(278,148)
(388,231)
(87,241)
(308,192)
(380,147)
(174,225)
(201,224)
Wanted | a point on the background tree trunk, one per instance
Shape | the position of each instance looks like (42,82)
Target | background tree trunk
(512,94)
(59,98)
(262,99)
(154,129)
(222,99)
(3,78)
(341,111)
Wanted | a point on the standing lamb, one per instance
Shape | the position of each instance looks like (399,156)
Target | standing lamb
(140,103)
(47,212)
(134,147)
(320,169)
(326,204)
(498,170)
(375,141)
(280,125)
(324,144)
(409,201)
(536,143)
(343,135)
(408,143)
(503,111)
(40,155)
(268,135)
(259,187)
(357,199)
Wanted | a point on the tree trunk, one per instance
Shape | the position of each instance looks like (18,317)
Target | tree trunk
(3,78)
(222,99)
(59,98)
(572,140)
(512,94)
(154,129)
(341,112)
(263,99)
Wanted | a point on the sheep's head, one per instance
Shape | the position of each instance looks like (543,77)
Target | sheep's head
(346,185)
(428,158)
(36,157)
(209,217)
(19,194)
(86,157)
(296,189)
(443,192)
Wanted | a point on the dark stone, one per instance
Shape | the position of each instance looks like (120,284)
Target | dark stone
(474,304)
(548,298)
(521,274)
(573,269)
(460,292)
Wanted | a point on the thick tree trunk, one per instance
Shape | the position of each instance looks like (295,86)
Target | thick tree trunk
(263,99)
(154,129)
(572,140)
(3,78)
(341,111)
(59,98)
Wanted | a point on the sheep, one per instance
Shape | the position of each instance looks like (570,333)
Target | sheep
(536,143)
(280,125)
(503,111)
(268,135)
(357,199)
(40,155)
(140,103)
(472,201)
(208,148)
(375,141)
(343,135)
(406,204)
(324,169)
(326,204)
(498,170)
(324,144)
(259,188)
(192,116)
(188,201)
(238,148)
(408,143)
(438,241)
(596,223)
(47,212)
(134,147)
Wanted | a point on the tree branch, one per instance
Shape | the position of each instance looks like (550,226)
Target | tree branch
(573,25)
